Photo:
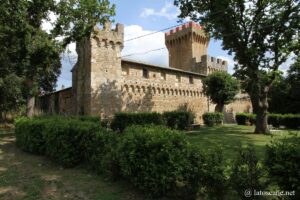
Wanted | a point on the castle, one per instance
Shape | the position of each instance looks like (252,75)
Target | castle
(103,83)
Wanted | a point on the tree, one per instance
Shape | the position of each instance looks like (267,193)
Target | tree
(221,89)
(261,34)
(284,95)
(11,94)
(34,54)
(293,80)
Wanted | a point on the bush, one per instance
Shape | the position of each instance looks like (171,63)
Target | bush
(94,119)
(204,175)
(275,120)
(282,163)
(178,119)
(123,120)
(245,118)
(29,135)
(65,140)
(246,172)
(153,158)
(291,121)
(212,119)
(100,152)
(60,138)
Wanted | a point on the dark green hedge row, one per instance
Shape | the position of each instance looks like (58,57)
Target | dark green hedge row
(61,139)
(291,121)
(158,160)
(245,118)
(175,119)
(213,118)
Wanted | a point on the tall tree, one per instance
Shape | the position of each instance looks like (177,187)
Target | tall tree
(262,34)
(221,89)
(34,54)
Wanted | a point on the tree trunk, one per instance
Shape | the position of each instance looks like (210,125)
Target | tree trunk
(261,114)
(219,107)
(30,106)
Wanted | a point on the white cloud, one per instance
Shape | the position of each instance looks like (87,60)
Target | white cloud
(47,24)
(169,11)
(141,47)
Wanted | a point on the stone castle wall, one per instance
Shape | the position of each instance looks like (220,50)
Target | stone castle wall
(104,84)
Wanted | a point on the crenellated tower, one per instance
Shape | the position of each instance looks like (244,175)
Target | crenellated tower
(187,45)
(97,69)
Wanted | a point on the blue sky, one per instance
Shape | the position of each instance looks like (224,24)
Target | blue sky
(142,17)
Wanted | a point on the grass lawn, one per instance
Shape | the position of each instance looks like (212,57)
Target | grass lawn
(30,177)
(230,137)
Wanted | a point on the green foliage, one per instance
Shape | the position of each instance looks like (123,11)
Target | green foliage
(94,119)
(153,158)
(174,119)
(178,119)
(11,97)
(33,54)
(282,162)
(275,120)
(245,118)
(123,120)
(65,140)
(100,152)
(284,95)
(212,119)
(62,139)
(291,121)
(246,173)
(204,175)
(221,88)
(29,135)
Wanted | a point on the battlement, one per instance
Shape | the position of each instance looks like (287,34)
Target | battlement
(212,62)
(189,26)
(108,36)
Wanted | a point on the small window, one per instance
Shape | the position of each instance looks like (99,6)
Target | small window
(178,78)
(145,73)
(163,76)
(191,80)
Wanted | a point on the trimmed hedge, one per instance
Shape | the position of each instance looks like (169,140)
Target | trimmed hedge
(123,120)
(291,121)
(160,162)
(29,135)
(213,118)
(174,119)
(100,152)
(178,119)
(59,138)
(65,140)
(245,118)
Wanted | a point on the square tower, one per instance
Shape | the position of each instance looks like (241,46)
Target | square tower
(186,45)
(97,71)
